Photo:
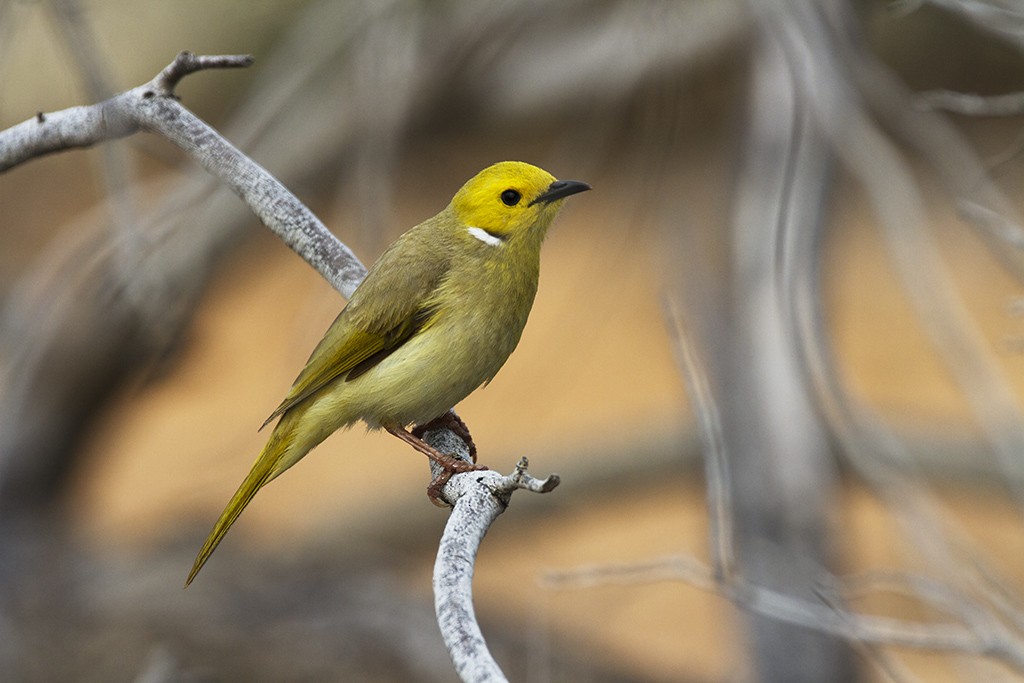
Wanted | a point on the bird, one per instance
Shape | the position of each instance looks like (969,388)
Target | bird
(436,317)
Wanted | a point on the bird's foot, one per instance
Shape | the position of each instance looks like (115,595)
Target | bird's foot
(450,421)
(450,464)
(437,485)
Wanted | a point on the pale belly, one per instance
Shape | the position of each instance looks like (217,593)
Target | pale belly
(429,374)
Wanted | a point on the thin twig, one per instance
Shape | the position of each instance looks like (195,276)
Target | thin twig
(872,652)
(968,104)
(889,182)
(1003,18)
(709,426)
(117,167)
(188,63)
(999,644)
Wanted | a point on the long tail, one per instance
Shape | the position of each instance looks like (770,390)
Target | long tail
(281,452)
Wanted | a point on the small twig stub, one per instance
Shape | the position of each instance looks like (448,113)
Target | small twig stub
(188,63)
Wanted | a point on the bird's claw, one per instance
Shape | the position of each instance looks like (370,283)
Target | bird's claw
(441,480)
(449,421)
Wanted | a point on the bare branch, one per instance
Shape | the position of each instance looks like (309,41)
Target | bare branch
(187,63)
(117,166)
(966,635)
(709,425)
(85,126)
(1003,18)
(83,48)
(1011,104)
(152,107)
(890,184)
(477,499)
(946,150)
(872,652)
(67,129)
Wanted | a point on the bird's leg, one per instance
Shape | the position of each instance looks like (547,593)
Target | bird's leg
(437,485)
(450,464)
(450,421)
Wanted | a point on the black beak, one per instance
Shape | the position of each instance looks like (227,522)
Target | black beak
(560,189)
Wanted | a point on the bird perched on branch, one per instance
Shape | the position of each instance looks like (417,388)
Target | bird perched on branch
(436,317)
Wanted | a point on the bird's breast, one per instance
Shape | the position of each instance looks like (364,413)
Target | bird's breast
(477,322)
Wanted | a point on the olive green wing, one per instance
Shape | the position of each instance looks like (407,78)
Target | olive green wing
(394,301)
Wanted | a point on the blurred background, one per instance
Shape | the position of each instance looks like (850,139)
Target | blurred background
(782,338)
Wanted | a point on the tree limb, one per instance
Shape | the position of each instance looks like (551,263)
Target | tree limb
(477,500)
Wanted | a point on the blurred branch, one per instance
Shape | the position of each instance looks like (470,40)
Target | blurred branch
(1011,104)
(947,152)
(971,632)
(870,445)
(836,82)
(782,472)
(588,63)
(1003,18)
(841,78)
(872,652)
(83,47)
(116,168)
(709,426)
(891,185)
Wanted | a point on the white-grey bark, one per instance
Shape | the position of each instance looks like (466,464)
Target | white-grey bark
(477,499)
(153,107)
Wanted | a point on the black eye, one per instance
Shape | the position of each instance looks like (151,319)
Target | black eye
(510,197)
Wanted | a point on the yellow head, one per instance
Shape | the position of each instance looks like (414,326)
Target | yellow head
(510,198)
